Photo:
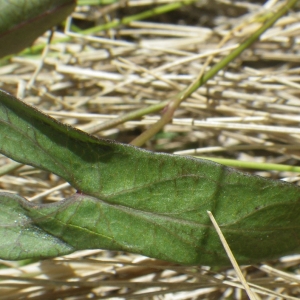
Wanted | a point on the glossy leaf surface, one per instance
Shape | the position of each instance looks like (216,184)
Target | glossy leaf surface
(150,203)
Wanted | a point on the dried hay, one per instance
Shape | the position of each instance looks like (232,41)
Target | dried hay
(249,112)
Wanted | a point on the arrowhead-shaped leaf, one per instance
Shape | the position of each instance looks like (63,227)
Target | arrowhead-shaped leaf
(22,21)
(139,201)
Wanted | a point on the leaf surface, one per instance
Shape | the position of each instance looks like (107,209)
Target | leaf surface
(22,21)
(150,203)
(19,237)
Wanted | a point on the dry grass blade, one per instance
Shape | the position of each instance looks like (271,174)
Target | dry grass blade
(248,112)
(233,261)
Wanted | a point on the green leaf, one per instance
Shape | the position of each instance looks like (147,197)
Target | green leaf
(20,237)
(22,21)
(150,203)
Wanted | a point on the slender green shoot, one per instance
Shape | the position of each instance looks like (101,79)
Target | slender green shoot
(252,165)
(201,80)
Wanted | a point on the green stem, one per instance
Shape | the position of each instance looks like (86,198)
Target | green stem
(95,2)
(127,117)
(124,21)
(201,80)
(141,16)
(252,165)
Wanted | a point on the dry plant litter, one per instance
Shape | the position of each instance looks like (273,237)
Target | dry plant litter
(249,112)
